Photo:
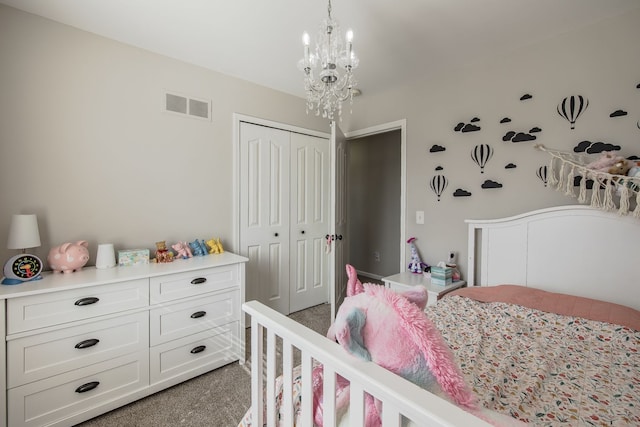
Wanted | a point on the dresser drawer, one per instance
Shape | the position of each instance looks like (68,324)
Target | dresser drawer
(192,283)
(42,310)
(43,355)
(59,397)
(213,349)
(177,320)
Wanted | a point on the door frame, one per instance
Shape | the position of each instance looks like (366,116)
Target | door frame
(383,128)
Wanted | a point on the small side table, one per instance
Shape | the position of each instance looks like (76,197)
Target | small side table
(404,281)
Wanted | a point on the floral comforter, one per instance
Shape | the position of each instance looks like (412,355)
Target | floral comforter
(542,368)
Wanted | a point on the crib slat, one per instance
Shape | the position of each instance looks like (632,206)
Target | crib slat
(287,387)
(257,348)
(356,405)
(306,417)
(390,415)
(271,379)
(329,397)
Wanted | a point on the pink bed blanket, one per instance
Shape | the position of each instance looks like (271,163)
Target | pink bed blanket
(552,302)
(541,367)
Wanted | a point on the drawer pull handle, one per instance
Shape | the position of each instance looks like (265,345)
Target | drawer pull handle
(87,301)
(87,343)
(198,280)
(198,349)
(87,387)
(198,314)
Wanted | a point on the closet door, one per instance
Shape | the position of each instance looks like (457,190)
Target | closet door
(310,170)
(264,213)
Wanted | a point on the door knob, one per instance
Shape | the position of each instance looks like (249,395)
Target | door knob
(276,234)
(302,232)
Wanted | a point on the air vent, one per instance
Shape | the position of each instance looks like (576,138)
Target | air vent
(185,106)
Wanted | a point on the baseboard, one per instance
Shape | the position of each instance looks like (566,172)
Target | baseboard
(367,274)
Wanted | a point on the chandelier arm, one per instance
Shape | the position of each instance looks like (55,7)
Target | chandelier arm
(315,86)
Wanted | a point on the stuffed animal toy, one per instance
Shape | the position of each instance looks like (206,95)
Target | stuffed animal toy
(416,265)
(634,174)
(215,246)
(376,324)
(183,250)
(621,167)
(162,253)
(198,248)
(610,162)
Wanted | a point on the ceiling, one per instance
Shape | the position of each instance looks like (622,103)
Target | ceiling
(396,41)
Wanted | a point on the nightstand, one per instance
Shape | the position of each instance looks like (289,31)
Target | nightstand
(403,281)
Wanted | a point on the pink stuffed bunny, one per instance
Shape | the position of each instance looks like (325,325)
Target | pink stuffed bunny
(376,324)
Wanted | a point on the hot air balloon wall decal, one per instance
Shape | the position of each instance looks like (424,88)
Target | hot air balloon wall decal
(542,174)
(571,107)
(481,154)
(439,184)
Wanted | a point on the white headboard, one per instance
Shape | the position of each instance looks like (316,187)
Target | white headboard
(575,250)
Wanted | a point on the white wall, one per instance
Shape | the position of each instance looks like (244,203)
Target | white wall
(600,62)
(85,145)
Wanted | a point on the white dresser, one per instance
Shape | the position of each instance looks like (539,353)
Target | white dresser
(81,344)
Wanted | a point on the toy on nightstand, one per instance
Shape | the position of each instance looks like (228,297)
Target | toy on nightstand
(162,253)
(182,249)
(215,246)
(416,265)
(198,247)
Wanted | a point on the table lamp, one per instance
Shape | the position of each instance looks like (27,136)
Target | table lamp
(24,267)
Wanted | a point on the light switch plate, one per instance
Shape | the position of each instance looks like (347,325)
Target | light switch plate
(419,217)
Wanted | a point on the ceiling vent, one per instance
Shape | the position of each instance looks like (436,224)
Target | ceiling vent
(179,104)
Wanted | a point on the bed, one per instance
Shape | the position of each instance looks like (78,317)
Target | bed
(548,333)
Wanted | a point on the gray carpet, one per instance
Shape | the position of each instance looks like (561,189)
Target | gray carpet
(218,398)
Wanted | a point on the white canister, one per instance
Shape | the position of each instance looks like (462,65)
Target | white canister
(106,257)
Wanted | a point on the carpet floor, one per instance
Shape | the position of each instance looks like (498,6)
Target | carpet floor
(219,398)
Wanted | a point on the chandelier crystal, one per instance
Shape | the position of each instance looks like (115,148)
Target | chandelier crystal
(328,70)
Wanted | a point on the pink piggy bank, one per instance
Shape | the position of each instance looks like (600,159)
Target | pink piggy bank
(69,257)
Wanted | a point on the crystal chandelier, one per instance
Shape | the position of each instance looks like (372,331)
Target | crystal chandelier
(330,88)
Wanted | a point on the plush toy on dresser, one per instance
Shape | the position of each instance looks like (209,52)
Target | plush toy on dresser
(215,246)
(162,253)
(198,247)
(182,249)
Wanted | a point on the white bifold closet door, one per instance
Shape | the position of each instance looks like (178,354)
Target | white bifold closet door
(284,216)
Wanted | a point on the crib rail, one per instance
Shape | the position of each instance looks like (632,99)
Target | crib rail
(399,397)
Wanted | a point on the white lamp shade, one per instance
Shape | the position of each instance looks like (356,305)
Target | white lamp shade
(23,232)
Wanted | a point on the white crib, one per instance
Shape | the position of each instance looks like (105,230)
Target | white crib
(399,397)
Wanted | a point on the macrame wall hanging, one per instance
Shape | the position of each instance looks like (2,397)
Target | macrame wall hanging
(610,192)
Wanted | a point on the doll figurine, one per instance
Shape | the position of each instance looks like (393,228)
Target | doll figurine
(416,265)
